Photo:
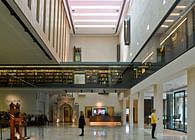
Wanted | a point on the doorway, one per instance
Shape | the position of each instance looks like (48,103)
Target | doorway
(67,114)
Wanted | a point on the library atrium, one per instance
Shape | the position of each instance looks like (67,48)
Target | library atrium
(97,69)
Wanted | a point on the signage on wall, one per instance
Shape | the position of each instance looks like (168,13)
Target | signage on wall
(79,78)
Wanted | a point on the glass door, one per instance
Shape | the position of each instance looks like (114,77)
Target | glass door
(179,111)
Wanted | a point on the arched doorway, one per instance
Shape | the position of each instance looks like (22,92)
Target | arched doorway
(67,113)
(63,109)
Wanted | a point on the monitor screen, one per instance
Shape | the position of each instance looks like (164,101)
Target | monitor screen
(99,111)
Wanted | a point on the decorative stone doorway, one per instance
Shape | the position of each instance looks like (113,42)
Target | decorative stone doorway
(63,110)
(67,114)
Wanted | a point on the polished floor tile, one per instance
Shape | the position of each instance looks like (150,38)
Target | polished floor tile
(71,132)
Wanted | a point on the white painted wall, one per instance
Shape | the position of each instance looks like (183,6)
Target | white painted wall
(94,99)
(31,102)
(141,17)
(95,48)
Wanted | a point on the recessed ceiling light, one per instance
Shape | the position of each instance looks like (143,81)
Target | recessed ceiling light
(95,14)
(131,53)
(165,26)
(137,43)
(164,2)
(181,6)
(95,26)
(95,7)
(148,27)
(95,20)
(174,14)
(169,20)
(98,0)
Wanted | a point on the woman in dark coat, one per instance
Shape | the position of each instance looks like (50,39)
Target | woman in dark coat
(82,123)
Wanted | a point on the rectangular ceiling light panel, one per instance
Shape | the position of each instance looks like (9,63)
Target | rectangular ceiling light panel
(95,20)
(95,14)
(95,7)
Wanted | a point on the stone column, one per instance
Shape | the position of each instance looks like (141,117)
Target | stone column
(124,110)
(131,110)
(141,110)
(158,105)
(191,104)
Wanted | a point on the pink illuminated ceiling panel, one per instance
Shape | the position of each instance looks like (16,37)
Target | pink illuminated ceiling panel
(96,16)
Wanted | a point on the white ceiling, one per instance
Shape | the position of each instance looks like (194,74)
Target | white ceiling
(96,17)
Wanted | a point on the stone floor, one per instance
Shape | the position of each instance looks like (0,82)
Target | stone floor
(71,132)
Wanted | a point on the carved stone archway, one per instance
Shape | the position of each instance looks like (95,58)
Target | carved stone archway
(60,109)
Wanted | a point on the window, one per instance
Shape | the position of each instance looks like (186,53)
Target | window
(38,10)
(57,27)
(44,16)
(54,19)
(49,35)
(29,4)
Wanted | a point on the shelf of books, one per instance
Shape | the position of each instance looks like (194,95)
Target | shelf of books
(116,76)
(42,76)
(91,76)
(104,76)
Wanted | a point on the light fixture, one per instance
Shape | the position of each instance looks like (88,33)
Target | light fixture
(95,14)
(131,54)
(181,7)
(98,0)
(147,57)
(148,27)
(164,2)
(169,20)
(173,31)
(174,14)
(95,26)
(95,7)
(95,20)
(164,26)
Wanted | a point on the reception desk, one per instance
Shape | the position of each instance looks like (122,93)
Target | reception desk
(105,120)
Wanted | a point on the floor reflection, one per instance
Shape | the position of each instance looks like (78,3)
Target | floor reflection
(100,133)
(71,132)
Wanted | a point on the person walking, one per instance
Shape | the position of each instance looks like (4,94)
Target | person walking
(82,123)
(153,122)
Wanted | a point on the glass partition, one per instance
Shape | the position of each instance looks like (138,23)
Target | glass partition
(173,37)
(176,111)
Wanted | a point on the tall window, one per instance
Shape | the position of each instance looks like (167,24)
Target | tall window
(44,16)
(29,4)
(49,35)
(38,10)
(57,27)
(54,20)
